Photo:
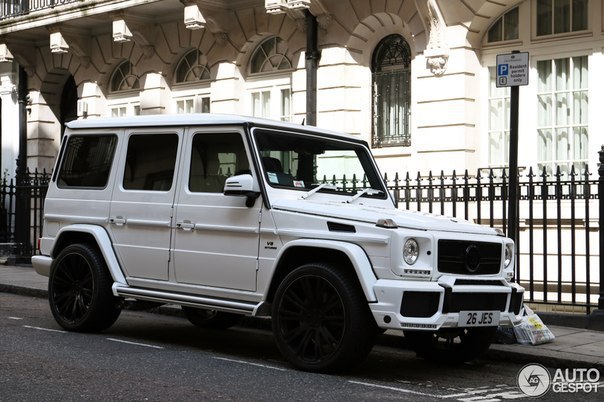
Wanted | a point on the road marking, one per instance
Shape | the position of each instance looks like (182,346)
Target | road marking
(497,393)
(15,318)
(397,389)
(135,343)
(249,363)
(45,329)
(468,394)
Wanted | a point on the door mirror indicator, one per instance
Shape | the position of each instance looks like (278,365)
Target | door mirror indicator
(242,185)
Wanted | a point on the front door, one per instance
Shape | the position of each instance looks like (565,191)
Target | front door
(143,198)
(216,237)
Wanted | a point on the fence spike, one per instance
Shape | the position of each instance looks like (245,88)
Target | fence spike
(572,171)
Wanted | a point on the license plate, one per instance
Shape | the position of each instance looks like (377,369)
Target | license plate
(478,318)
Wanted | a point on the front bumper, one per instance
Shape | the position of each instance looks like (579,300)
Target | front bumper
(435,305)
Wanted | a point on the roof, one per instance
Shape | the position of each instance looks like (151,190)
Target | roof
(195,119)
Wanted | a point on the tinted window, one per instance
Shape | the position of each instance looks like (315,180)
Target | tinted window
(87,161)
(215,157)
(303,162)
(150,162)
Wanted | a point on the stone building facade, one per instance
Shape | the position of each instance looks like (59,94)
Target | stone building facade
(414,78)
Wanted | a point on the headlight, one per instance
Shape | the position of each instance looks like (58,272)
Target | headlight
(509,254)
(411,251)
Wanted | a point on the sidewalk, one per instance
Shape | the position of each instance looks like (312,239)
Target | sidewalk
(572,348)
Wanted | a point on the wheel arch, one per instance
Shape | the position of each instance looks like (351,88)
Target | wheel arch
(94,235)
(347,255)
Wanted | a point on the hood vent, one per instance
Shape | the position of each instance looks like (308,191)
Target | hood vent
(340,227)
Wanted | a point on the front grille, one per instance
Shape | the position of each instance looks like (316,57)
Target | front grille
(478,282)
(469,257)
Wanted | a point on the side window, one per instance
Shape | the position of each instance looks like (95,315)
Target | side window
(87,161)
(150,162)
(214,157)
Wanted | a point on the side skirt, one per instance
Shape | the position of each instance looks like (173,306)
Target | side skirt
(229,306)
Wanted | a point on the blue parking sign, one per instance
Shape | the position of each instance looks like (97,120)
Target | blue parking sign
(512,69)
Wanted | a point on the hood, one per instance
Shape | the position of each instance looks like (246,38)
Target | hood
(371,214)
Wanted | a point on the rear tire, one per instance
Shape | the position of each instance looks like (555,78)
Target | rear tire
(79,290)
(455,345)
(211,319)
(320,319)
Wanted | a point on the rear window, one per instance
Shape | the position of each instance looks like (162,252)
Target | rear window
(87,161)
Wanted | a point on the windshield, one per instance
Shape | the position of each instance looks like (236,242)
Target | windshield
(305,162)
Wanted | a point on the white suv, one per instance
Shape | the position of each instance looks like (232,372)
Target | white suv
(230,216)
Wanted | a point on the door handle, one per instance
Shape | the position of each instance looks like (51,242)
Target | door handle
(118,220)
(185,225)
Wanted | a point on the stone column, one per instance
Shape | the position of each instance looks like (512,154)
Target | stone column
(9,125)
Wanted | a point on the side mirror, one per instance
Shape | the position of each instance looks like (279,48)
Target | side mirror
(242,185)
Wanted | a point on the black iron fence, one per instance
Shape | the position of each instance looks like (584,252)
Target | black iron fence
(21,214)
(15,8)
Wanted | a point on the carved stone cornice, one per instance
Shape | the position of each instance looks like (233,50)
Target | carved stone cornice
(77,42)
(437,50)
(296,10)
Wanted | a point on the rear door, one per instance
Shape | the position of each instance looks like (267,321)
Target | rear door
(216,237)
(143,197)
(81,184)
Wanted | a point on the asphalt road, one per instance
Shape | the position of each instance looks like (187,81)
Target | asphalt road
(152,357)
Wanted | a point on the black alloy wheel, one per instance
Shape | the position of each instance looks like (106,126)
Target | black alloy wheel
(321,320)
(79,290)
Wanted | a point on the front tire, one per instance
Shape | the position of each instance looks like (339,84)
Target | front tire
(320,319)
(455,345)
(79,290)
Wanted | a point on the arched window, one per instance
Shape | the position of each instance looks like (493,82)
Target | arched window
(505,28)
(270,56)
(192,67)
(270,93)
(123,87)
(191,93)
(123,79)
(391,73)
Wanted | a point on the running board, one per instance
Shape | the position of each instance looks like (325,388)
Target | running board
(229,306)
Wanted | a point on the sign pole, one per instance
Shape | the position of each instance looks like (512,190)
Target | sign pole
(513,193)
(513,71)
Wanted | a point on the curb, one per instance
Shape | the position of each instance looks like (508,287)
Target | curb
(498,353)
(24,291)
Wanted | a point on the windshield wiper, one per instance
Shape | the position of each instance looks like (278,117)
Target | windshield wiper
(370,191)
(327,186)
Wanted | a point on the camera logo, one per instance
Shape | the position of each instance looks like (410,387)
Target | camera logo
(534,380)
